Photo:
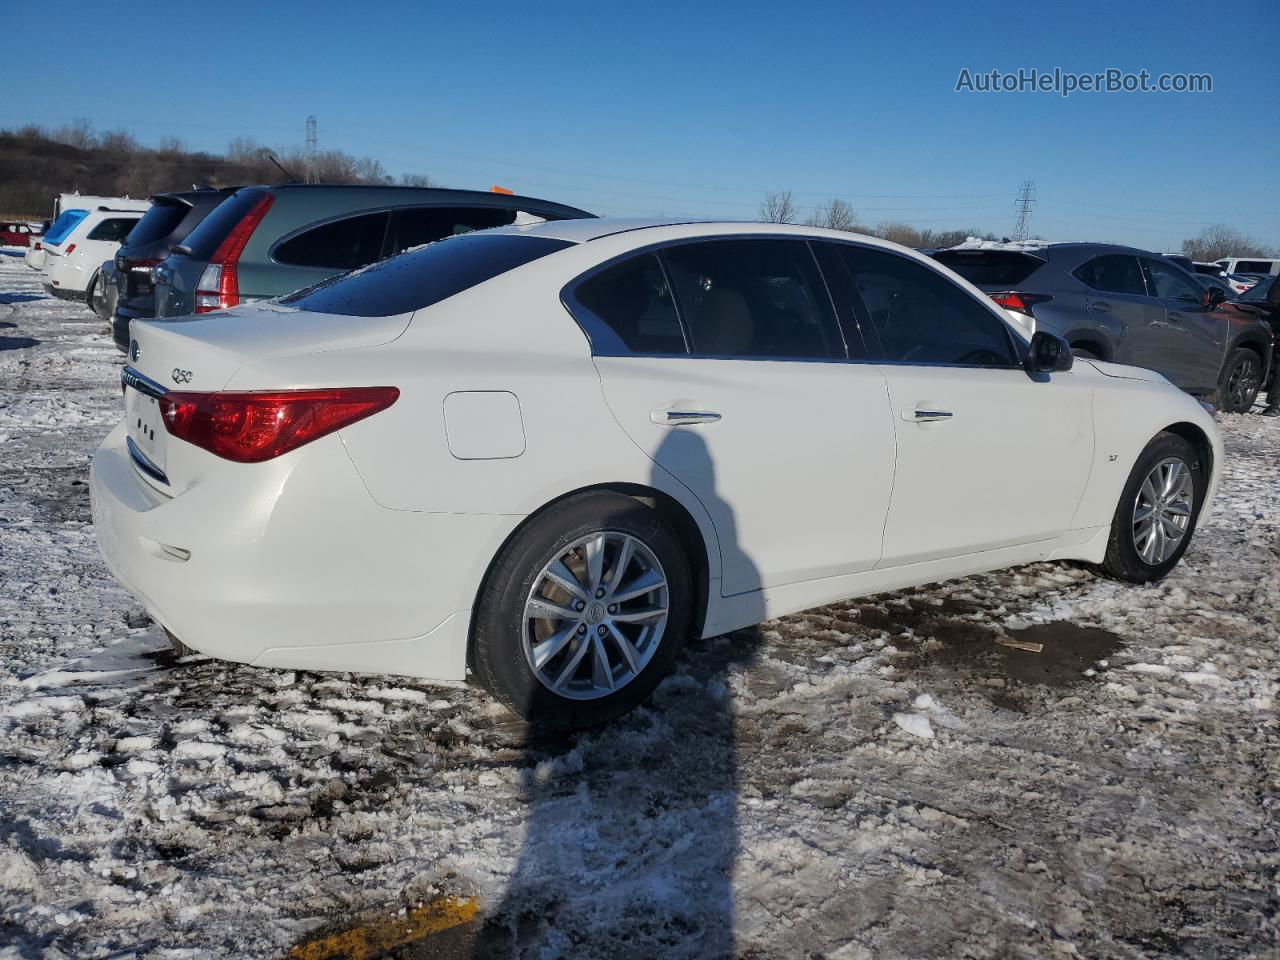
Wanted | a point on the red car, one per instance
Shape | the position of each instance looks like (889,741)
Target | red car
(17,234)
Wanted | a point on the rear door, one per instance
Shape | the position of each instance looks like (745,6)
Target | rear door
(745,395)
(1118,302)
(1195,334)
(987,456)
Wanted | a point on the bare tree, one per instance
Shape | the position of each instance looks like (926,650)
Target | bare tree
(898,232)
(120,143)
(171,146)
(779,207)
(78,133)
(416,180)
(1220,240)
(835,214)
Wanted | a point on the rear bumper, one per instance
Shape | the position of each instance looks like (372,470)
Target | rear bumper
(291,563)
(77,296)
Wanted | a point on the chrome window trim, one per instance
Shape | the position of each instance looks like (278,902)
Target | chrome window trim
(130,377)
(604,342)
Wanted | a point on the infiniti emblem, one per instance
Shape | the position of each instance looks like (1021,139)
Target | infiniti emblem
(181,376)
(133,350)
(595,613)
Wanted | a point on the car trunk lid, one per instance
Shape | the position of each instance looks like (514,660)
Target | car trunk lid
(201,354)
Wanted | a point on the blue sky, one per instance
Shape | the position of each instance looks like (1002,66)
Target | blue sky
(680,108)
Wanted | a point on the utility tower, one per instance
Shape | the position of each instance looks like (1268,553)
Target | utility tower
(312,138)
(1026,197)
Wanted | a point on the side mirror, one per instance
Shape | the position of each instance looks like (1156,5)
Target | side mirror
(1049,353)
(1214,296)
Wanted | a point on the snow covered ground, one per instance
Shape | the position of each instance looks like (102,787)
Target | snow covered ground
(881,778)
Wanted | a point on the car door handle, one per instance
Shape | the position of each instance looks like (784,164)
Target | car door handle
(926,416)
(1100,307)
(676,418)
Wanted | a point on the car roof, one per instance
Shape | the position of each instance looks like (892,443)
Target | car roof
(380,193)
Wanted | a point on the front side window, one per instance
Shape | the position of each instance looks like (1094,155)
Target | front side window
(922,317)
(632,302)
(753,298)
(1113,273)
(420,278)
(339,245)
(113,230)
(1168,283)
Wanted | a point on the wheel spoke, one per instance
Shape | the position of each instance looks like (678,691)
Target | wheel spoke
(595,561)
(623,644)
(1143,513)
(622,562)
(1148,492)
(563,576)
(639,616)
(546,610)
(646,582)
(572,666)
(544,651)
(601,674)
(1179,508)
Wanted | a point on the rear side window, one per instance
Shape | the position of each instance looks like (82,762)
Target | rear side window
(1112,273)
(922,317)
(1253,266)
(158,222)
(415,226)
(990,268)
(633,301)
(66,222)
(422,277)
(113,230)
(340,245)
(753,298)
(1170,283)
(203,240)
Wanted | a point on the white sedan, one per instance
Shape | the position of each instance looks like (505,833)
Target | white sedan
(546,455)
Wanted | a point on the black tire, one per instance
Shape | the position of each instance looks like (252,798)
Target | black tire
(1240,382)
(1123,561)
(1084,352)
(497,653)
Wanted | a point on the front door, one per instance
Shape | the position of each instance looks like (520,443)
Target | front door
(755,407)
(1196,334)
(987,456)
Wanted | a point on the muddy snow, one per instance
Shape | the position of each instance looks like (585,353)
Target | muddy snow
(898,776)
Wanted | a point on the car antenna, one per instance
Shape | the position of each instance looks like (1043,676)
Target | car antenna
(292,178)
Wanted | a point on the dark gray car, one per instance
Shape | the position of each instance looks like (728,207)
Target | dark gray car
(264,242)
(1128,306)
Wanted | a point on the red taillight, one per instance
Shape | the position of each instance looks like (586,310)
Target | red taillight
(70,247)
(1022,302)
(142,266)
(252,427)
(219,285)
(38,245)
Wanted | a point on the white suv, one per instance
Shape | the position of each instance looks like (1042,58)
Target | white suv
(1252,265)
(79,241)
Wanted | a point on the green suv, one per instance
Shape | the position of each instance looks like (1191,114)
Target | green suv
(264,242)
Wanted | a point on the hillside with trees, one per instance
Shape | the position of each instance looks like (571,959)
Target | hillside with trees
(38,164)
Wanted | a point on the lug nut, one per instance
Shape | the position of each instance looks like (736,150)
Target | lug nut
(602,631)
(582,628)
(579,606)
(599,593)
(613,608)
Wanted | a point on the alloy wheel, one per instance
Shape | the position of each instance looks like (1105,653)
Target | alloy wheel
(595,616)
(1162,510)
(1243,384)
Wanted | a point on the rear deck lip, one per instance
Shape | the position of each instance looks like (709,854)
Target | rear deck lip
(143,463)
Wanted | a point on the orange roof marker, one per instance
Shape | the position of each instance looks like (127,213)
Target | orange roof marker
(509,193)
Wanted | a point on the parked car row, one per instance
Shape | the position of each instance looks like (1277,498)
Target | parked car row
(85,233)
(19,233)
(1129,306)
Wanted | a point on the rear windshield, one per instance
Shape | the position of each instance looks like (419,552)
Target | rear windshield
(990,268)
(203,241)
(423,276)
(1258,292)
(65,223)
(157,223)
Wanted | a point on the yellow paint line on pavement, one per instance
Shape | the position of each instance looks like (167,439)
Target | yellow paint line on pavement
(374,938)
